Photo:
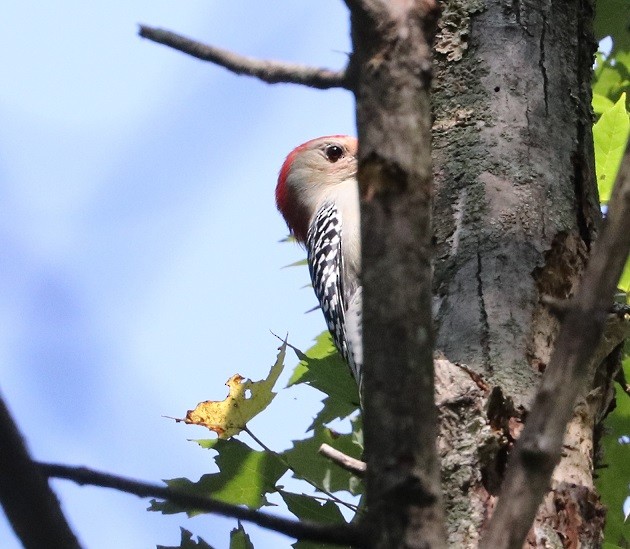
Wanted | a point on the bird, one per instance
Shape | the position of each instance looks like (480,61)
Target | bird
(318,196)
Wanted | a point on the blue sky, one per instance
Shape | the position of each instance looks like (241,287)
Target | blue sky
(139,238)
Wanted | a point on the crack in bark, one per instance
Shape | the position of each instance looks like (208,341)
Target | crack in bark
(541,61)
(582,171)
(483,318)
(578,185)
(529,132)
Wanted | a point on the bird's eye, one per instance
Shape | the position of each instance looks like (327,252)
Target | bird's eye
(333,152)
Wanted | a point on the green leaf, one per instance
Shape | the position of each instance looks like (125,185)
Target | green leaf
(610,135)
(323,368)
(621,60)
(611,77)
(244,477)
(333,408)
(611,546)
(624,281)
(306,507)
(307,463)
(187,542)
(357,432)
(613,479)
(605,80)
(239,539)
(601,103)
(299,263)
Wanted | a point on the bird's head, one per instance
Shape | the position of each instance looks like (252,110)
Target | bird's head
(311,175)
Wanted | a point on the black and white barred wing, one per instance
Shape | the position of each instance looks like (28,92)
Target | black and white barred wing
(326,268)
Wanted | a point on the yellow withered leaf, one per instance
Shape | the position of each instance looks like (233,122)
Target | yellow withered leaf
(245,400)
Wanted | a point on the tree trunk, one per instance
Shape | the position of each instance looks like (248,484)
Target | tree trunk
(516,210)
(391,72)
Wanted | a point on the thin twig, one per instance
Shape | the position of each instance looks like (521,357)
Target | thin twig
(342,534)
(326,499)
(30,505)
(539,448)
(272,72)
(288,465)
(355,466)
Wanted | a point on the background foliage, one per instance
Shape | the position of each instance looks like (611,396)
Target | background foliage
(611,83)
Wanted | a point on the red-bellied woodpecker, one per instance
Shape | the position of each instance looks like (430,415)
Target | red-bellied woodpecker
(318,197)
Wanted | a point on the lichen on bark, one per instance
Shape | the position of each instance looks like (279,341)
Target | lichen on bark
(454,27)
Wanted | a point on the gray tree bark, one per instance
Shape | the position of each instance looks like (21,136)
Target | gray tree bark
(516,211)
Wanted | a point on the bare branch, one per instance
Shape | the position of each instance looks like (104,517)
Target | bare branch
(272,72)
(538,450)
(341,534)
(30,505)
(348,463)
